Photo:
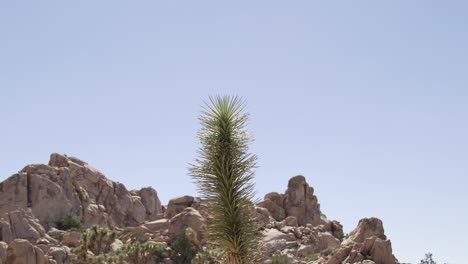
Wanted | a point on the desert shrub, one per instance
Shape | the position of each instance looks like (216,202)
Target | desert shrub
(280,258)
(71,222)
(209,256)
(428,259)
(135,250)
(96,240)
(184,246)
(313,257)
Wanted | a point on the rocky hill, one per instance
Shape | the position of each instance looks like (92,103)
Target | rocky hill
(34,201)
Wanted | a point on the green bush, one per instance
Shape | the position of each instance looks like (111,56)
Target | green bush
(184,246)
(96,240)
(209,256)
(71,222)
(313,257)
(135,250)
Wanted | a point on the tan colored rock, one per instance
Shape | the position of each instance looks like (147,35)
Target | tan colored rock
(274,234)
(306,250)
(95,215)
(69,186)
(21,224)
(157,225)
(71,239)
(354,256)
(178,204)
(3,252)
(58,160)
(189,217)
(56,234)
(20,251)
(327,241)
(298,201)
(290,221)
(366,228)
(276,211)
(263,215)
(336,229)
(5,231)
(341,254)
(151,202)
(61,255)
(367,240)
(381,252)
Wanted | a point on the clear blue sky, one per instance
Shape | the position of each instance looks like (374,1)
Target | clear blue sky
(367,99)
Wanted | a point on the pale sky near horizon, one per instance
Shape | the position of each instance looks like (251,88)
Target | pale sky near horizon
(367,99)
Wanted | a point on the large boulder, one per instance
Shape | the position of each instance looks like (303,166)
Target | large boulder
(366,241)
(189,217)
(69,186)
(178,204)
(158,225)
(3,252)
(20,224)
(61,255)
(20,251)
(276,211)
(367,227)
(150,200)
(71,239)
(275,240)
(298,201)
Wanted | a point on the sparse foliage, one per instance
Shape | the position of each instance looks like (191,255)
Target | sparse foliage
(280,258)
(184,247)
(135,250)
(224,174)
(428,259)
(71,222)
(95,245)
(208,256)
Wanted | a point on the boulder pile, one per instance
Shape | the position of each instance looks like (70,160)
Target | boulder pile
(34,201)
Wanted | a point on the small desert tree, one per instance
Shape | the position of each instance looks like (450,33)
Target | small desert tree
(224,173)
(428,259)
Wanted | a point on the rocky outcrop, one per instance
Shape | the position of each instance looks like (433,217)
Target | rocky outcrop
(178,204)
(298,201)
(35,199)
(367,227)
(3,252)
(20,224)
(189,217)
(69,186)
(367,241)
(20,251)
(61,255)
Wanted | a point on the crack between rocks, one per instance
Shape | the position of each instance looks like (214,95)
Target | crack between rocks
(12,227)
(28,190)
(80,197)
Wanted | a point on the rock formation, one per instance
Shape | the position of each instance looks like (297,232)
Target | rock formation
(298,200)
(69,186)
(34,200)
(366,241)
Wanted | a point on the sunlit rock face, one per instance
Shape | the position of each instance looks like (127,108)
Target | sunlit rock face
(68,185)
(298,201)
(34,200)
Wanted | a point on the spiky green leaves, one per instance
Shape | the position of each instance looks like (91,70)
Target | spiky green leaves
(224,174)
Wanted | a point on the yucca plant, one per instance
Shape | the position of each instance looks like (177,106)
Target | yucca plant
(96,240)
(223,173)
